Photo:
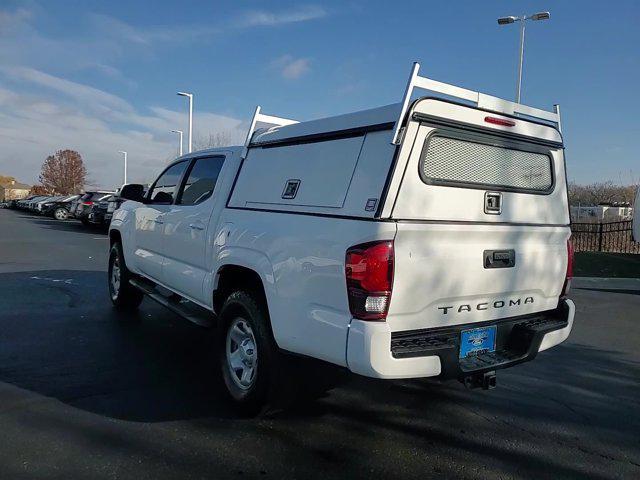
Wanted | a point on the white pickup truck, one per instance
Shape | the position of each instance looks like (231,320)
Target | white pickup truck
(428,238)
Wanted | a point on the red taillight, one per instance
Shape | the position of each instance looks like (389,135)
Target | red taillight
(500,121)
(369,272)
(569,274)
(87,203)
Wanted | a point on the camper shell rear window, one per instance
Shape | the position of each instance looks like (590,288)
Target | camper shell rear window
(469,160)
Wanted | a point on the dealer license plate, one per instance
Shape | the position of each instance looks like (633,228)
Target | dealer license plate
(477,341)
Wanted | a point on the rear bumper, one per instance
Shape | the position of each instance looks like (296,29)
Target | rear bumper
(374,351)
(97,218)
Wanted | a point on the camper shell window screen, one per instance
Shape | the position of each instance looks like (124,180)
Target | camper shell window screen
(465,160)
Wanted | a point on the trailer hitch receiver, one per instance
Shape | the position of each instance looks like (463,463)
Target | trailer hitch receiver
(486,381)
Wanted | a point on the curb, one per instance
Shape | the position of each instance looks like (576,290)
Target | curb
(606,283)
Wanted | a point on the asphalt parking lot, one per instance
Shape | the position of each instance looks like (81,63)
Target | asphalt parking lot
(87,393)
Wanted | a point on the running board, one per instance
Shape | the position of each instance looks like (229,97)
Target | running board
(178,305)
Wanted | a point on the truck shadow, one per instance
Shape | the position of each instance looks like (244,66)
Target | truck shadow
(61,339)
(70,225)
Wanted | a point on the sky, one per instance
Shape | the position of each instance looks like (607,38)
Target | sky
(99,77)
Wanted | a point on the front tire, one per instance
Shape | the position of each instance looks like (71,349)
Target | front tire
(249,358)
(124,296)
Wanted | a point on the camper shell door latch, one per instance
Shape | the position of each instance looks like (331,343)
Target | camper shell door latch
(493,203)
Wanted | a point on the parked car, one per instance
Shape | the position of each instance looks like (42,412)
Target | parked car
(102,211)
(22,203)
(32,204)
(82,207)
(114,203)
(428,238)
(39,205)
(59,208)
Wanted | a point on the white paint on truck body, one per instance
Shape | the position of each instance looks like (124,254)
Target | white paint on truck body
(354,187)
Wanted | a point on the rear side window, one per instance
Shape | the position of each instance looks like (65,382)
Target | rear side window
(201,181)
(476,163)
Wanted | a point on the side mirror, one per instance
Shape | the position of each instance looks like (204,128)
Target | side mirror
(132,191)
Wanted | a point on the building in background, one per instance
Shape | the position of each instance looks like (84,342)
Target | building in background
(614,212)
(13,191)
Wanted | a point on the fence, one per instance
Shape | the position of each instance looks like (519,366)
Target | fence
(604,237)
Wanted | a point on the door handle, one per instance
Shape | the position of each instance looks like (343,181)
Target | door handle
(195,226)
(499,258)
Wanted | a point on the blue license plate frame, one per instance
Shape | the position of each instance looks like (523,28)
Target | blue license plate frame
(477,341)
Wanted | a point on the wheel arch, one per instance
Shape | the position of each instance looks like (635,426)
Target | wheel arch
(230,277)
(114,236)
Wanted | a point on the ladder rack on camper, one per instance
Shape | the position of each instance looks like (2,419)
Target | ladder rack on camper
(482,100)
(259,117)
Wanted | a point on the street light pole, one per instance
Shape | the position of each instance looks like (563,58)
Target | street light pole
(523,19)
(190,134)
(519,87)
(125,166)
(179,132)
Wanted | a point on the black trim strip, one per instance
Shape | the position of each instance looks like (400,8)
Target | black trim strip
(313,214)
(235,179)
(324,136)
(391,173)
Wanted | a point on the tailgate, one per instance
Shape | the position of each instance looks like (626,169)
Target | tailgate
(441,279)
(482,218)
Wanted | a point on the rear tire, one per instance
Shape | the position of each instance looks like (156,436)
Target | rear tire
(249,359)
(124,296)
(60,214)
(85,221)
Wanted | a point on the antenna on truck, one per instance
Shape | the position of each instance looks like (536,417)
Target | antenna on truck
(268,119)
(482,100)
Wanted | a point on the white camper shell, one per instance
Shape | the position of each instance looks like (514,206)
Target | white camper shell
(426,238)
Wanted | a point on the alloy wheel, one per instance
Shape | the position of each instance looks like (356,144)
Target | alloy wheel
(241,353)
(115,278)
(60,214)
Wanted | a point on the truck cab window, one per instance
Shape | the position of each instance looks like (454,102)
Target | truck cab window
(201,180)
(165,188)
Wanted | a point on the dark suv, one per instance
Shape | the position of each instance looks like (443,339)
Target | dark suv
(82,207)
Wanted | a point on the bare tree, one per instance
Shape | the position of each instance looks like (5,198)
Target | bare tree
(214,140)
(600,192)
(64,172)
